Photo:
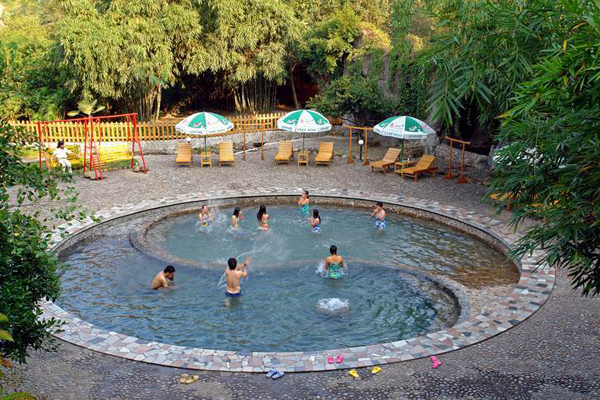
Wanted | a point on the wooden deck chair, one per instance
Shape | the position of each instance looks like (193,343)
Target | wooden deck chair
(424,165)
(391,156)
(184,154)
(285,154)
(325,155)
(226,154)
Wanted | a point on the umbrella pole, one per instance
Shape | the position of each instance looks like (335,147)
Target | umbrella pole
(303,136)
(402,152)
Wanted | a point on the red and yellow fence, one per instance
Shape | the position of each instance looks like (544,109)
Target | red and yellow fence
(147,131)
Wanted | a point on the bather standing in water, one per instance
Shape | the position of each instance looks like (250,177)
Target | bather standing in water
(236,217)
(263,218)
(315,221)
(379,215)
(304,203)
(206,217)
(233,275)
(161,280)
(334,264)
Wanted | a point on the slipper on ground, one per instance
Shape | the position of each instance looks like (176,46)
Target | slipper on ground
(278,374)
(271,373)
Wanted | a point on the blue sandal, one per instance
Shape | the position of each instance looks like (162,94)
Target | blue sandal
(278,375)
(271,373)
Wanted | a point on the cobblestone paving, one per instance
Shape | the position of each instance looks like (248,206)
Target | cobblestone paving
(552,355)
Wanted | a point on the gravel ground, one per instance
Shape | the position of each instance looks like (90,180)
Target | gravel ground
(553,355)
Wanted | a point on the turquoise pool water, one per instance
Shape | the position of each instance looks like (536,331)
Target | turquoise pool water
(287,305)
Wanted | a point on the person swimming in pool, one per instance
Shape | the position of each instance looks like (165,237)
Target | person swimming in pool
(233,275)
(334,264)
(304,202)
(236,217)
(379,215)
(263,218)
(315,221)
(161,280)
(206,216)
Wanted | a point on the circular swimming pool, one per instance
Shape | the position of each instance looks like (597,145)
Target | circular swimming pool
(386,295)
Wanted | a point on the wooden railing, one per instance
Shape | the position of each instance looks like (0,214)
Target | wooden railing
(147,131)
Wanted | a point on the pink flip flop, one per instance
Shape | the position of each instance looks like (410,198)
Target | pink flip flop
(330,360)
(339,359)
(435,362)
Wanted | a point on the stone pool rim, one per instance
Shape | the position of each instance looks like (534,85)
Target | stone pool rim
(534,287)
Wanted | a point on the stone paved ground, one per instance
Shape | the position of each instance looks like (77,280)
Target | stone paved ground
(553,355)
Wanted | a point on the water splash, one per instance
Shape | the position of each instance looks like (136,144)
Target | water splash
(333,306)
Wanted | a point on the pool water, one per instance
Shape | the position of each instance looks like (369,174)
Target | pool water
(286,304)
(423,245)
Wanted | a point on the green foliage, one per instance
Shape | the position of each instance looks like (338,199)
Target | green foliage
(361,98)
(485,49)
(4,335)
(552,165)
(327,46)
(247,43)
(86,107)
(28,271)
(127,51)
(30,81)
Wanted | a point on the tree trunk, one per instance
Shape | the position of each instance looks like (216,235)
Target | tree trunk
(158,101)
(296,103)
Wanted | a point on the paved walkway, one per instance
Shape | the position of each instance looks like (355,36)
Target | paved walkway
(553,355)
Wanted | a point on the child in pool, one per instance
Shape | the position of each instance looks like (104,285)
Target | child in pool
(304,203)
(236,217)
(263,218)
(315,221)
(379,215)
(334,264)
(206,217)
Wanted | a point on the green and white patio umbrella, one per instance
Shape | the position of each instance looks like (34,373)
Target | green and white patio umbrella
(305,121)
(403,127)
(204,124)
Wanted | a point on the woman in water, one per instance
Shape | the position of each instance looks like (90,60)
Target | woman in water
(379,215)
(334,264)
(315,221)
(236,217)
(263,218)
(304,202)
(206,217)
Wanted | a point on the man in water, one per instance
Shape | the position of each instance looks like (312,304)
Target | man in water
(334,264)
(233,275)
(379,215)
(161,280)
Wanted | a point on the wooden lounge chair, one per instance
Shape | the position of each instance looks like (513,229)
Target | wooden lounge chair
(184,154)
(424,165)
(325,155)
(226,154)
(285,154)
(388,160)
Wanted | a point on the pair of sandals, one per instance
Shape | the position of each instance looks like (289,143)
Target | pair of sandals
(187,379)
(338,360)
(274,374)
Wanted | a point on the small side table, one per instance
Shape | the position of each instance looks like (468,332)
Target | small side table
(402,164)
(206,159)
(304,157)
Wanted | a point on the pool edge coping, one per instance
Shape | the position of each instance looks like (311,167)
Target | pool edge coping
(532,291)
